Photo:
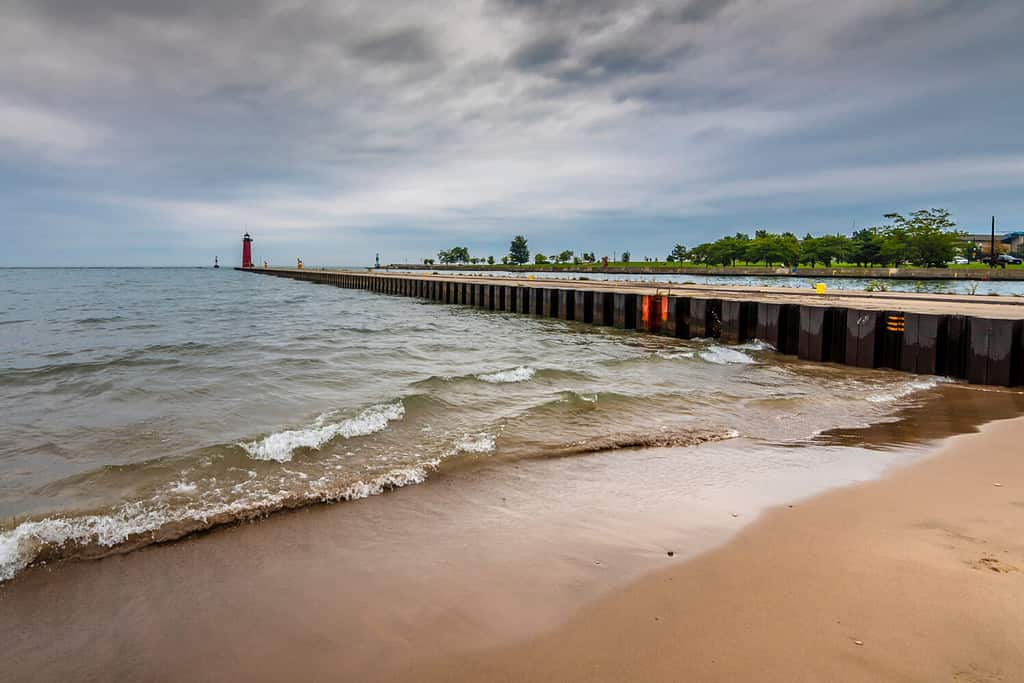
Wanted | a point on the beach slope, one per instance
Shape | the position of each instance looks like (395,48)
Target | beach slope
(916,577)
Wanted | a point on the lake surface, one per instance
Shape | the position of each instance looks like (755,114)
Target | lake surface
(140,405)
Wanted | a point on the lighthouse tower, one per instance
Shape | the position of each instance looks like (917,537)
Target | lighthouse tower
(246,251)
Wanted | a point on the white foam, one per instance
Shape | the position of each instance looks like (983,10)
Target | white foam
(723,355)
(479,444)
(756,345)
(183,487)
(906,389)
(520,374)
(20,546)
(673,355)
(281,445)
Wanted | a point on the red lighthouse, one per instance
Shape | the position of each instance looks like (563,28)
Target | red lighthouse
(246,251)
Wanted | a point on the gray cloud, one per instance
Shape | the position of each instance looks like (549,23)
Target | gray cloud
(404,45)
(297,117)
(694,11)
(541,52)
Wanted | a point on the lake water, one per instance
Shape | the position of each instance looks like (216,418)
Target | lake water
(140,405)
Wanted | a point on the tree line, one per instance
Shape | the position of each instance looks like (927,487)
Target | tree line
(925,238)
(518,254)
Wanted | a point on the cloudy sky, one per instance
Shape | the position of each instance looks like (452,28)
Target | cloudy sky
(153,133)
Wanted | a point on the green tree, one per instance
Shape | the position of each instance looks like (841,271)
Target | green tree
(625,256)
(770,249)
(895,245)
(540,258)
(809,250)
(728,250)
(518,251)
(929,236)
(490,260)
(454,255)
(866,247)
(833,248)
(824,249)
(678,253)
(787,249)
(565,256)
(701,254)
(761,249)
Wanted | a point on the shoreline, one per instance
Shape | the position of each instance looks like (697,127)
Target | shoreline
(918,575)
(468,567)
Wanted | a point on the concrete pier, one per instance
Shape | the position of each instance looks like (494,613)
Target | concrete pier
(975,338)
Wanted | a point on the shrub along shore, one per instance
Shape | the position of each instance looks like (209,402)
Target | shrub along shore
(664,268)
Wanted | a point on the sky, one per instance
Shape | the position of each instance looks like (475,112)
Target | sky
(156,133)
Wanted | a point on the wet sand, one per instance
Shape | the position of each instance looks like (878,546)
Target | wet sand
(556,569)
(917,577)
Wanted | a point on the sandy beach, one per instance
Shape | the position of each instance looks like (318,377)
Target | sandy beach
(560,569)
(916,577)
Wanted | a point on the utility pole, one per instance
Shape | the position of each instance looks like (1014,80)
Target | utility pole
(992,253)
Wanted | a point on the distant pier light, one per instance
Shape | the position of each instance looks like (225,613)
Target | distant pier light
(247,251)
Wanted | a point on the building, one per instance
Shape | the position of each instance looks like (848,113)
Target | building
(1014,241)
(1007,243)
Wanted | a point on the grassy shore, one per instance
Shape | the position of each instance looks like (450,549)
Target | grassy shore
(671,265)
(971,271)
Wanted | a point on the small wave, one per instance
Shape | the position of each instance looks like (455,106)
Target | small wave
(182,487)
(99,321)
(477,444)
(614,442)
(674,355)
(280,446)
(521,374)
(78,370)
(141,523)
(755,345)
(722,355)
(906,389)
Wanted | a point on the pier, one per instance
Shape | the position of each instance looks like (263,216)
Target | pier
(974,338)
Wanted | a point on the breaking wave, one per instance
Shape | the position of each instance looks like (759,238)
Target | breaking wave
(476,444)
(521,374)
(674,355)
(280,446)
(723,355)
(906,389)
(755,345)
(141,523)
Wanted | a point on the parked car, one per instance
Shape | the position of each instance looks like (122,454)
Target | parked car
(1002,260)
(959,261)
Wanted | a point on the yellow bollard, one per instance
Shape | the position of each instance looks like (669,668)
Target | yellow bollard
(820,288)
(529,277)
